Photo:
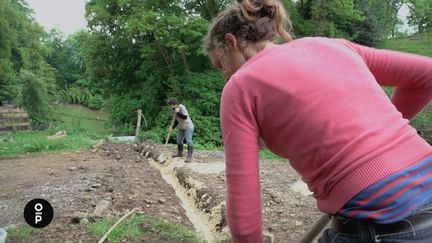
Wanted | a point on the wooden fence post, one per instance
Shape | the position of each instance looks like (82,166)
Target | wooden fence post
(138,126)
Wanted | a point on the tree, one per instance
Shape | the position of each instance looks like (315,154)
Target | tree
(420,14)
(20,48)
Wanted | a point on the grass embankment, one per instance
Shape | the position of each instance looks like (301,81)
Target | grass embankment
(419,44)
(83,127)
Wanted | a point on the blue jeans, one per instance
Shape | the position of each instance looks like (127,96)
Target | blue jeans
(423,235)
(185,133)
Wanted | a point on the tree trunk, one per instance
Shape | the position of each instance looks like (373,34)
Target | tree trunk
(185,62)
(320,18)
(167,58)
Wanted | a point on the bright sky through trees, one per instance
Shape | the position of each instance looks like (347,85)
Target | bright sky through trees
(66,15)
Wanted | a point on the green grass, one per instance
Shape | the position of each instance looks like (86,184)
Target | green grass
(19,233)
(268,155)
(81,118)
(133,228)
(128,229)
(419,44)
(84,127)
(175,232)
(18,143)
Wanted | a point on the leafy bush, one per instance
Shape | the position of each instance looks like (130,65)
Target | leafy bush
(156,135)
(95,102)
(77,95)
(35,98)
(123,111)
(83,96)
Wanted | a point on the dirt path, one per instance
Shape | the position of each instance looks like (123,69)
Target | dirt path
(119,177)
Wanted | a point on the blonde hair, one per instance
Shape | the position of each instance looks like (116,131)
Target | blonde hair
(252,21)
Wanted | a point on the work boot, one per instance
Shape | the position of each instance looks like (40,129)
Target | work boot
(179,151)
(189,156)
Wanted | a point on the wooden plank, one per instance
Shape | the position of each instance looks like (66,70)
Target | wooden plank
(3,121)
(14,124)
(11,128)
(3,111)
(13,115)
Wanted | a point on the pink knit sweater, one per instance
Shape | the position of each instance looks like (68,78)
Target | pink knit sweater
(318,102)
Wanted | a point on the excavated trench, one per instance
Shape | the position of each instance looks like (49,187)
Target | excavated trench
(204,210)
(199,220)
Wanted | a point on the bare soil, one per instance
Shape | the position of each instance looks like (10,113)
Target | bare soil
(115,178)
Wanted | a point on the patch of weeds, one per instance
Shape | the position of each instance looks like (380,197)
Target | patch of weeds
(129,229)
(174,232)
(268,155)
(134,228)
(19,233)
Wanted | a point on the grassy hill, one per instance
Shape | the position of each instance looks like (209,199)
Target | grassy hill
(419,44)
(84,127)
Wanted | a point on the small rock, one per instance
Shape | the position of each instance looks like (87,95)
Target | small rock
(81,167)
(51,173)
(147,201)
(96,185)
(86,198)
(83,178)
(84,221)
(102,208)
(77,217)
(161,201)
(161,158)
(72,168)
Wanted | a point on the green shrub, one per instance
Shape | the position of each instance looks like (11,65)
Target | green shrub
(95,102)
(35,98)
(156,135)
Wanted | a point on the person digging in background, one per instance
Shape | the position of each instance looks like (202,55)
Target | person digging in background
(185,128)
(319,102)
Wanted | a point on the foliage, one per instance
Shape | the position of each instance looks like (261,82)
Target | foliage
(420,15)
(18,143)
(35,98)
(268,155)
(380,20)
(174,232)
(156,135)
(83,96)
(81,119)
(134,227)
(127,229)
(20,49)
(417,44)
(20,233)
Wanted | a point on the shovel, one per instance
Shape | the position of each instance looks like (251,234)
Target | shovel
(169,131)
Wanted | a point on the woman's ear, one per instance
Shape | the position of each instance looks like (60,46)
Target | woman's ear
(231,40)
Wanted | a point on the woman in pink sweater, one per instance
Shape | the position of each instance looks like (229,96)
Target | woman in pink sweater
(319,103)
